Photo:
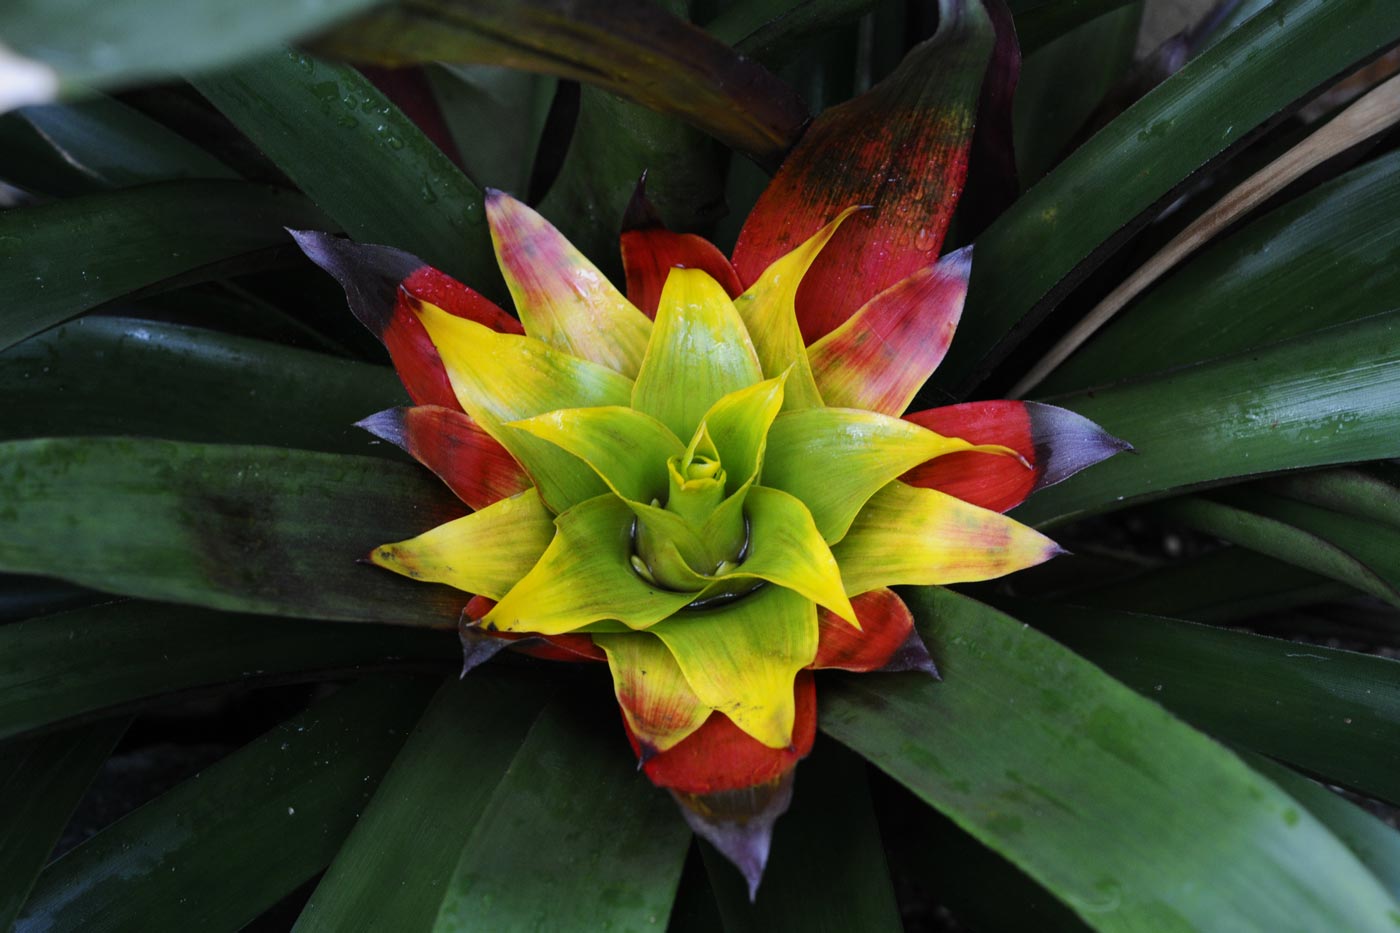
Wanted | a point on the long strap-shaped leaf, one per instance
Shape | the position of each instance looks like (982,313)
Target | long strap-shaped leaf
(82,664)
(188,860)
(1331,712)
(257,529)
(1330,397)
(1058,231)
(60,259)
(1067,774)
(630,47)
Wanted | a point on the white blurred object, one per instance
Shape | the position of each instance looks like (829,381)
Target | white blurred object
(24,82)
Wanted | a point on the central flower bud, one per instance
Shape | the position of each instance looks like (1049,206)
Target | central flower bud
(711,535)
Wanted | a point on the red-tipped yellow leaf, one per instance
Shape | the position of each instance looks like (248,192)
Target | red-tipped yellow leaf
(486,552)
(1056,442)
(912,536)
(561,297)
(500,378)
(834,459)
(447,441)
(741,658)
(901,147)
(880,356)
(660,707)
(769,312)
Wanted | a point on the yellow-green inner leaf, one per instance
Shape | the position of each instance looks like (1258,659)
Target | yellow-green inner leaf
(738,426)
(628,449)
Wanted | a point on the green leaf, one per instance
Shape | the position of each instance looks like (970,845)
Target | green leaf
(515,104)
(777,31)
(626,448)
(1331,712)
(41,781)
(1322,259)
(1332,397)
(104,375)
(393,870)
(1375,843)
(1066,772)
(826,869)
(1038,24)
(255,529)
(699,353)
(88,662)
(390,185)
(60,259)
(573,837)
(1056,232)
(125,41)
(97,144)
(1367,493)
(629,47)
(189,860)
(738,425)
(1277,536)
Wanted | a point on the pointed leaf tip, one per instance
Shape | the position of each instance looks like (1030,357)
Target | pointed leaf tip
(640,214)
(739,823)
(477,646)
(912,656)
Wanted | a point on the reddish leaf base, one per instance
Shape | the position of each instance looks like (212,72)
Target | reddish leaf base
(650,252)
(886,640)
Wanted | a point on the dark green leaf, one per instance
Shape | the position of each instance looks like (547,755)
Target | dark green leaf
(1279,537)
(392,872)
(515,104)
(574,837)
(1062,83)
(256,529)
(92,661)
(1068,774)
(1331,397)
(1040,24)
(826,870)
(1325,258)
(1365,492)
(105,375)
(630,47)
(389,183)
(1066,224)
(230,842)
(1334,713)
(24,597)
(61,259)
(97,144)
(777,31)
(1222,585)
(41,781)
(123,41)
(1375,843)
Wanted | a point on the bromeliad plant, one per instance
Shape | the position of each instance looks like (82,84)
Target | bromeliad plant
(692,493)
(707,495)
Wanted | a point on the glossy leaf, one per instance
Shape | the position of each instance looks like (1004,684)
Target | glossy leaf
(699,353)
(107,375)
(1316,261)
(1331,712)
(1035,744)
(829,833)
(90,662)
(1276,535)
(633,49)
(41,783)
(741,659)
(244,528)
(627,448)
(117,44)
(102,143)
(521,865)
(393,869)
(1054,234)
(60,259)
(484,553)
(1328,398)
(187,859)
(390,184)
